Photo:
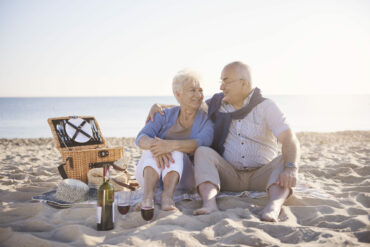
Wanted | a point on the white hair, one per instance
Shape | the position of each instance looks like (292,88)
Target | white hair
(242,69)
(182,77)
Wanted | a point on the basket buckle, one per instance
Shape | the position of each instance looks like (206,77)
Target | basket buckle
(103,153)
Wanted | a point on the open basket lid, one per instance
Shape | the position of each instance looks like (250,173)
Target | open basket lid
(76,133)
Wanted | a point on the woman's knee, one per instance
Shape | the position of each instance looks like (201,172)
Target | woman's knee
(172,174)
(177,156)
(150,171)
(178,163)
(177,167)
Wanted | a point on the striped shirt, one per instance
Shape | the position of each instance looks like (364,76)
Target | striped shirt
(252,141)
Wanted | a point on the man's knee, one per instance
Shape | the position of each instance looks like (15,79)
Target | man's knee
(203,153)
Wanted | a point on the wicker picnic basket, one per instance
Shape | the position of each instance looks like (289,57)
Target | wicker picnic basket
(78,158)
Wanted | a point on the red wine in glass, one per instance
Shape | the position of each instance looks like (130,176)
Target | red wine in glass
(147,213)
(123,209)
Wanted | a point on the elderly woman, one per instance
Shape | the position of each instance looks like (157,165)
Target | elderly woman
(169,139)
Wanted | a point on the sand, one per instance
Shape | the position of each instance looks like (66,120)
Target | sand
(336,164)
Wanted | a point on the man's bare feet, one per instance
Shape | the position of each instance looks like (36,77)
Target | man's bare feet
(271,213)
(204,210)
(167,203)
(208,192)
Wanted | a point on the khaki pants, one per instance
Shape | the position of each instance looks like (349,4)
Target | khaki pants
(209,166)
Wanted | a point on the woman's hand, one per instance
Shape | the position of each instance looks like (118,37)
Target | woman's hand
(159,147)
(163,160)
(161,150)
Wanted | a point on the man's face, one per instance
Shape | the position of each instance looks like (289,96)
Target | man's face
(231,84)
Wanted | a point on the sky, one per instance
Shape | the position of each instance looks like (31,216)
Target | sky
(134,48)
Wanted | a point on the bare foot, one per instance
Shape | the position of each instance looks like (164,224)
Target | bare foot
(204,210)
(167,204)
(271,213)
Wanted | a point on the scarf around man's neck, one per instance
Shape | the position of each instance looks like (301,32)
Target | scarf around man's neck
(222,120)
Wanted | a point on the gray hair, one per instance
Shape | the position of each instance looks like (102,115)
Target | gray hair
(242,68)
(182,77)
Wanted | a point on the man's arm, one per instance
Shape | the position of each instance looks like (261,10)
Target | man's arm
(160,107)
(291,154)
(156,108)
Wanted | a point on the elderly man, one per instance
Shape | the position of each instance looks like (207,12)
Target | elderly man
(244,153)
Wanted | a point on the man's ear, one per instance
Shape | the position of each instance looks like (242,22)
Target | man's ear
(244,82)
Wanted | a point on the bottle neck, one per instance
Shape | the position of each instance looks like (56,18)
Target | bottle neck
(106,173)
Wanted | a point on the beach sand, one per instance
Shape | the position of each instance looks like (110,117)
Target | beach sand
(336,164)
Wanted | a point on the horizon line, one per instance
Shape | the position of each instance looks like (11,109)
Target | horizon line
(205,96)
(117,96)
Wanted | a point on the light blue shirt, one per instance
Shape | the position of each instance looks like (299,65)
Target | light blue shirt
(202,129)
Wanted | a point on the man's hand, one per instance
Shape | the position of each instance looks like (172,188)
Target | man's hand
(153,110)
(164,160)
(288,178)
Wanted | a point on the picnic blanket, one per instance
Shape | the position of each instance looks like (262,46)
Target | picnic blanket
(136,197)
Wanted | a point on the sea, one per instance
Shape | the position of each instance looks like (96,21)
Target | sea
(125,116)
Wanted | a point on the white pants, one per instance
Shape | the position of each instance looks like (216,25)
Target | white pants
(182,165)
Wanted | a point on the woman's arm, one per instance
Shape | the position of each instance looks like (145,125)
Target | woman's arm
(151,130)
(159,146)
(203,138)
(162,160)
(145,142)
(167,146)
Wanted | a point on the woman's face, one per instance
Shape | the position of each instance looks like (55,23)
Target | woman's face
(191,95)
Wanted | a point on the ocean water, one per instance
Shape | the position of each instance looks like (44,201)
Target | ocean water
(125,116)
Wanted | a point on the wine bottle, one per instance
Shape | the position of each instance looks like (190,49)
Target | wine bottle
(105,206)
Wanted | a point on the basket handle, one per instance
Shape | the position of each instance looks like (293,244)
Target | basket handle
(61,170)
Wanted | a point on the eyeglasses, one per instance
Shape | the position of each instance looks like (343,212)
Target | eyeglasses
(229,82)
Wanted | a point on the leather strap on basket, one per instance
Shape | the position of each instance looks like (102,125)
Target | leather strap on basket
(78,129)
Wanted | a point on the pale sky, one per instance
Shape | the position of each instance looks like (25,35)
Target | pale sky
(131,48)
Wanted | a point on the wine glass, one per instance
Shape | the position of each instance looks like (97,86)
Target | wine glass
(124,199)
(147,209)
